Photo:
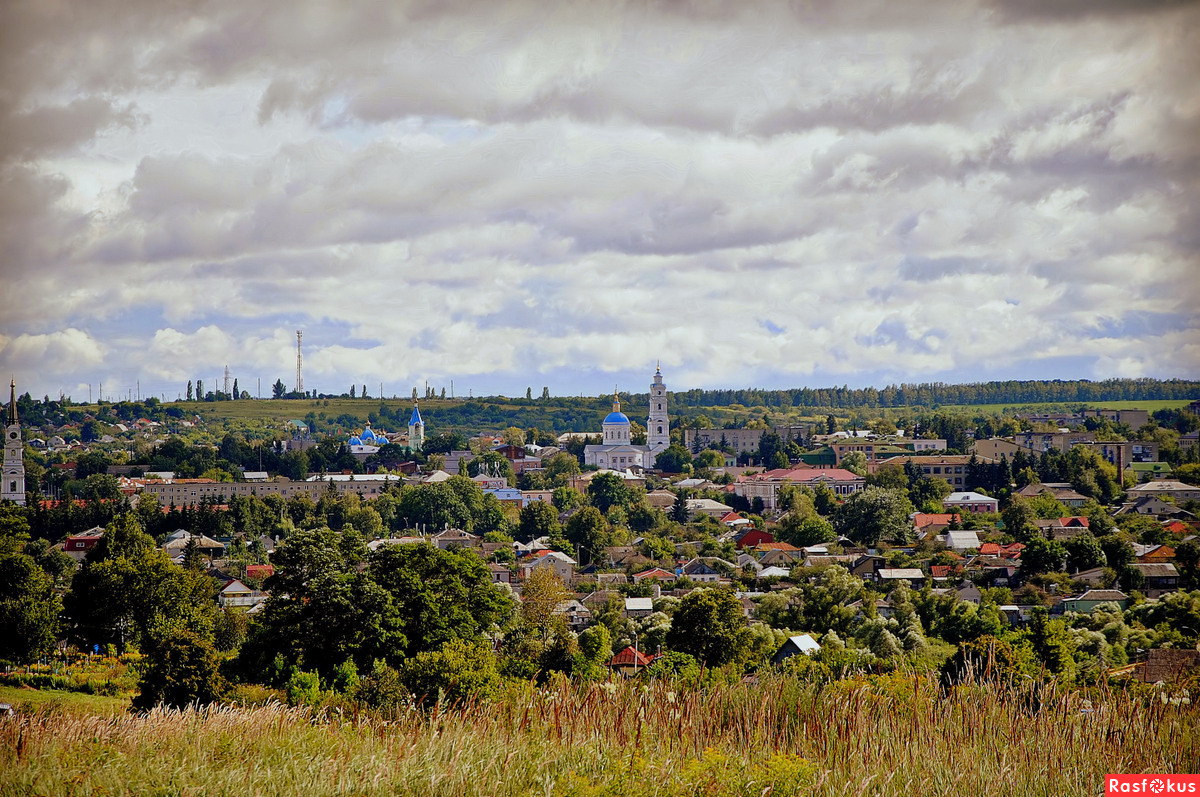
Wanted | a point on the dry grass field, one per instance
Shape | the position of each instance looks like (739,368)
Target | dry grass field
(893,735)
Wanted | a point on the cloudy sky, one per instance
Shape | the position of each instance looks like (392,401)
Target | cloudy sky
(525,194)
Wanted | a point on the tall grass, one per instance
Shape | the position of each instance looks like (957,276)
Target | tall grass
(884,736)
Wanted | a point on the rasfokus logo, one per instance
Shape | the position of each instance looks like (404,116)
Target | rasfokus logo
(1151,784)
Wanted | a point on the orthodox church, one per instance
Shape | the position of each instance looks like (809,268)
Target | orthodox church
(367,442)
(617,450)
(13,487)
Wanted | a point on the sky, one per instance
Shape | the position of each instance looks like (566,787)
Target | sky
(525,194)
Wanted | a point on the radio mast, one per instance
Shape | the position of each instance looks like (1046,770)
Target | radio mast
(299,364)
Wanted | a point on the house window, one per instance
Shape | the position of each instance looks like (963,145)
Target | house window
(937,471)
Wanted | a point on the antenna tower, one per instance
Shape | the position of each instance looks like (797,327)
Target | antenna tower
(226,391)
(299,364)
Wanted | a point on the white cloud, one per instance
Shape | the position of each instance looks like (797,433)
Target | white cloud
(493,189)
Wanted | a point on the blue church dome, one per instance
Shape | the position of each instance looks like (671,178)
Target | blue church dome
(616,417)
(416,418)
(356,441)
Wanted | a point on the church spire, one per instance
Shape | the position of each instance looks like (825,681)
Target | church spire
(616,401)
(12,403)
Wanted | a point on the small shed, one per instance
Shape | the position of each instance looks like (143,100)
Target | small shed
(797,644)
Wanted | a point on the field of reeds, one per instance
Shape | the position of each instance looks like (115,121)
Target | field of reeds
(889,735)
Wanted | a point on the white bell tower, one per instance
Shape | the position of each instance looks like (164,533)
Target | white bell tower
(658,426)
(13,488)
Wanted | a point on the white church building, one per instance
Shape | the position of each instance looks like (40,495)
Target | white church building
(616,449)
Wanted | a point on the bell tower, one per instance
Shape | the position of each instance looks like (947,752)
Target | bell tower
(658,426)
(14,453)
(416,429)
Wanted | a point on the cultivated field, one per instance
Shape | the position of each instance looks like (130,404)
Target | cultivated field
(894,735)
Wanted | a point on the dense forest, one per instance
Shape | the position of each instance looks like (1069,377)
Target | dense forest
(930,394)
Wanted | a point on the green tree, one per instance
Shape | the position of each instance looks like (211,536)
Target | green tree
(541,595)
(1052,643)
(706,625)
(279,389)
(29,608)
(1187,559)
(607,490)
(804,530)
(559,467)
(538,519)
(875,514)
(1084,553)
(434,507)
(127,585)
(439,595)
(181,668)
(587,529)
(1042,556)
(455,671)
(1019,517)
(674,459)
(855,462)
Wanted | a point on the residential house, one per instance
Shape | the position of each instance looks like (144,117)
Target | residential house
(894,575)
(455,538)
(562,565)
(260,572)
(825,560)
(1010,551)
(235,594)
(500,573)
(1164,665)
(967,591)
(1166,488)
(1152,506)
(1060,491)
(929,523)
(1063,528)
(701,571)
(178,541)
(1161,578)
(971,502)
(765,486)
(1155,554)
(751,537)
(706,506)
(576,614)
(629,661)
(653,573)
(639,607)
(661,499)
(1088,601)
(961,540)
(796,645)
(77,546)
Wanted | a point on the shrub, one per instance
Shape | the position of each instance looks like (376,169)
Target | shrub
(180,668)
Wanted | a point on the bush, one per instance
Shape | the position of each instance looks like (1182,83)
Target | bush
(456,671)
(303,689)
(382,688)
(180,668)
